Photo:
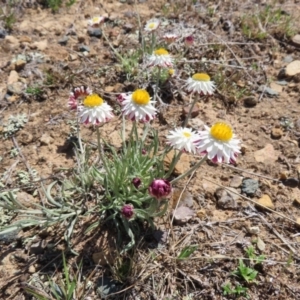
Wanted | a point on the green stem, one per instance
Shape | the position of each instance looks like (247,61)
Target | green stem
(146,130)
(152,41)
(190,112)
(157,83)
(173,163)
(123,132)
(123,61)
(101,156)
(191,170)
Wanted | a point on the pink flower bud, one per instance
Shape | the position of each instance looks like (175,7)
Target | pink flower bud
(160,188)
(189,41)
(136,182)
(121,98)
(144,151)
(127,211)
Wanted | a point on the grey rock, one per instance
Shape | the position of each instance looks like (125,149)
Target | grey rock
(160,236)
(226,199)
(267,90)
(183,214)
(296,40)
(38,247)
(282,82)
(250,186)
(15,88)
(3,33)
(9,237)
(96,32)
(64,40)
(107,286)
(83,48)
(288,59)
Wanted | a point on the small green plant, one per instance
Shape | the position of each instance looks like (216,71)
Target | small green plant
(54,5)
(13,152)
(14,124)
(187,251)
(246,273)
(26,179)
(268,21)
(34,91)
(70,3)
(239,290)
(9,21)
(253,257)
(68,288)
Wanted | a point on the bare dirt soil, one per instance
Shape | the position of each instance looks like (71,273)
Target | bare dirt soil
(245,47)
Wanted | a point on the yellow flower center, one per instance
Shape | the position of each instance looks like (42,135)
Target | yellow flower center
(93,100)
(187,134)
(141,97)
(161,51)
(201,77)
(171,72)
(152,25)
(221,131)
(96,19)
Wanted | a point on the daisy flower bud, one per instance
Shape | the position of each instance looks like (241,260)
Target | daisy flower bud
(127,211)
(136,182)
(170,37)
(160,188)
(77,94)
(219,143)
(189,41)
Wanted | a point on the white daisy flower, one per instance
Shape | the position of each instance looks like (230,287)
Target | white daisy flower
(96,21)
(152,25)
(137,106)
(183,139)
(77,94)
(160,58)
(170,37)
(219,143)
(94,110)
(200,83)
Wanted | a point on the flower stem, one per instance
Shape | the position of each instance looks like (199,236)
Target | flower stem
(146,130)
(152,41)
(101,156)
(173,164)
(191,170)
(190,112)
(123,132)
(123,61)
(157,83)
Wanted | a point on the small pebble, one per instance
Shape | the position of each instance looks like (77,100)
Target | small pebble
(276,133)
(63,41)
(31,269)
(3,33)
(96,32)
(236,181)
